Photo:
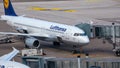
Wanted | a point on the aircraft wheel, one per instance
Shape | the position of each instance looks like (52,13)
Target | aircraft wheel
(74,51)
(26,46)
(8,41)
(118,52)
(56,43)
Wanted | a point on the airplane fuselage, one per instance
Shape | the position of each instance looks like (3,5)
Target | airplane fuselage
(68,34)
(12,64)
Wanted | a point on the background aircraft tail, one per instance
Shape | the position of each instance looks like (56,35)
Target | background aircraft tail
(9,56)
(8,8)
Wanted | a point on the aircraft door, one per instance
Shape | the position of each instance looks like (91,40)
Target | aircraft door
(66,37)
(75,39)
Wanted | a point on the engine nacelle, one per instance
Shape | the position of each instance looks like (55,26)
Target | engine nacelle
(32,42)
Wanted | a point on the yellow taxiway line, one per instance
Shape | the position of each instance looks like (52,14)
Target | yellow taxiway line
(51,9)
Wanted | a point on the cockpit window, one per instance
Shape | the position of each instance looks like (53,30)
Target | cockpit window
(76,34)
(79,34)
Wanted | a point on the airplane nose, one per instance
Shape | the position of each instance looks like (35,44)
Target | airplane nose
(85,40)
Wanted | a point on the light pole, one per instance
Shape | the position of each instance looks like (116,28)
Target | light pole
(79,63)
(113,35)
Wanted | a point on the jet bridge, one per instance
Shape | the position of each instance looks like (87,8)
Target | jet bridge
(100,31)
(110,32)
(106,31)
(86,27)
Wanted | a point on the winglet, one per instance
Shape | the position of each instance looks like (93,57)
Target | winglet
(9,56)
(9,10)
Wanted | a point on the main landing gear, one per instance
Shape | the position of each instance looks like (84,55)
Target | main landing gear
(6,40)
(56,43)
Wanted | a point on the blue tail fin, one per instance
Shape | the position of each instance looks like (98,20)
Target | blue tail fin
(8,8)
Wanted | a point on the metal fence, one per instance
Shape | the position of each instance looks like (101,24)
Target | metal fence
(101,63)
(41,62)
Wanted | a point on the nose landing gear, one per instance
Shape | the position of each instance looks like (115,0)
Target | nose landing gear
(74,51)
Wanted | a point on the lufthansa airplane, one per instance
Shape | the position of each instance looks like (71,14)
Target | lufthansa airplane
(6,63)
(35,30)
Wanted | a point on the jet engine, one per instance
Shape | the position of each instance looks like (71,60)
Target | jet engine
(32,42)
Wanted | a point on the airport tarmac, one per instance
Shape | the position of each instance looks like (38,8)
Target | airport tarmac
(101,12)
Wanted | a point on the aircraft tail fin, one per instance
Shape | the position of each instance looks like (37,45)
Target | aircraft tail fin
(8,8)
(9,56)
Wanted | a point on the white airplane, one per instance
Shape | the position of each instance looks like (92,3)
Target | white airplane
(34,30)
(6,63)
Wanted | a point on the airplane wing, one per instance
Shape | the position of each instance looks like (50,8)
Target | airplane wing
(9,56)
(36,35)
(21,34)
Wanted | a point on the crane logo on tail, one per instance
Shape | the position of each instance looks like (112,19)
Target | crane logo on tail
(6,3)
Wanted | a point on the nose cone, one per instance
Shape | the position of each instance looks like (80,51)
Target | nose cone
(85,40)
